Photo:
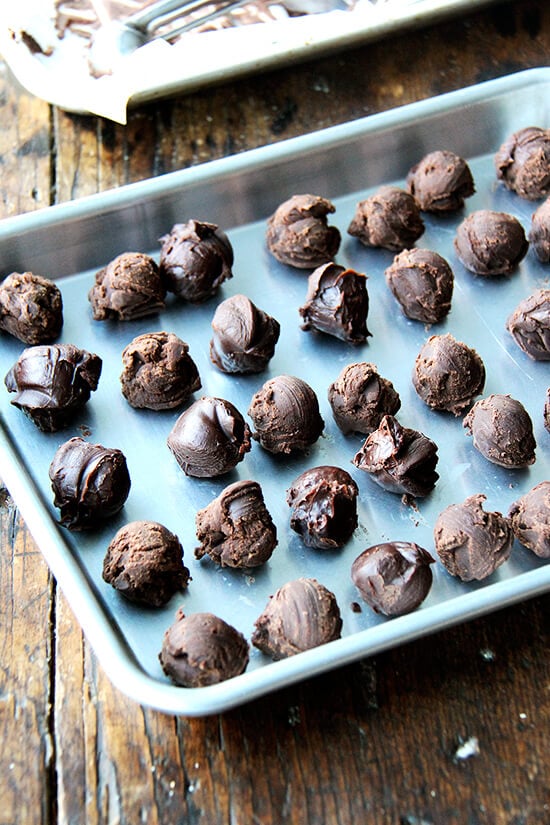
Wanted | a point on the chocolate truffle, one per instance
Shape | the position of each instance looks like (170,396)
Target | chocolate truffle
(144,562)
(389,219)
(394,577)
(440,182)
(301,615)
(360,398)
(195,259)
(502,431)
(399,459)
(530,519)
(323,504)
(244,337)
(52,382)
(129,287)
(201,649)
(236,529)
(158,372)
(90,483)
(337,302)
(523,162)
(490,243)
(529,325)
(539,234)
(422,281)
(447,374)
(285,413)
(298,233)
(210,438)
(31,308)
(471,542)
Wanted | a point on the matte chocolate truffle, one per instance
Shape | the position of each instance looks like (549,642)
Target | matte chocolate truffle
(52,382)
(201,649)
(471,542)
(447,374)
(399,459)
(210,438)
(422,281)
(144,562)
(195,259)
(90,483)
(244,337)
(323,502)
(337,302)
(298,233)
(502,431)
(285,413)
(31,308)
(301,615)
(394,577)
(129,287)
(440,182)
(360,398)
(539,234)
(523,162)
(529,325)
(236,529)
(158,372)
(389,219)
(530,519)
(490,243)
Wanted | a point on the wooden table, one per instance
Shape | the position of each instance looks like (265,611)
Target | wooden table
(449,730)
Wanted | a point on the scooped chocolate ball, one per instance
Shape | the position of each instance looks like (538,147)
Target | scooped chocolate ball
(422,281)
(301,615)
(201,649)
(236,529)
(360,398)
(129,287)
(244,337)
(529,325)
(90,483)
(31,308)
(394,577)
(448,374)
(298,233)
(490,243)
(195,259)
(440,182)
(144,563)
(389,219)
(539,234)
(52,382)
(337,303)
(502,431)
(323,502)
(523,162)
(285,414)
(471,542)
(530,519)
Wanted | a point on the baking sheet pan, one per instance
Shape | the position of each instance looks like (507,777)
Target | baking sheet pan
(345,163)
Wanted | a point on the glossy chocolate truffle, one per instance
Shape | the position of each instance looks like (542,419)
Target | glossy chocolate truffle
(323,502)
(471,542)
(210,438)
(298,233)
(440,182)
(52,382)
(539,234)
(158,372)
(502,431)
(236,529)
(530,519)
(244,337)
(399,459)
(90,483)
(394,577)
(422,281)
(360,398)
(529,325)
(337,302)
(201,649)
(523,162)
(389,219)
(31,308)
(144,562)
(490,243)
(285,414)
(301,615)
(447,374)
(195,259)
(129,287)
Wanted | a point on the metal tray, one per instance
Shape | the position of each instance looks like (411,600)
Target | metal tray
(69,242)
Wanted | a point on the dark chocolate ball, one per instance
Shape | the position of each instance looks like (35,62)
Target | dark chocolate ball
(490,243)
(422,281)
(195,259)
(502,431)
(337,303)
(285,414)
(539,234)
(440,182)
(523,162)
(129,287)
(390,218)
(298,233)
(360,398)
(244,337)
(31,308)
(529,325)
(394,577)
(323,502)
(447,374)
(530,519)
